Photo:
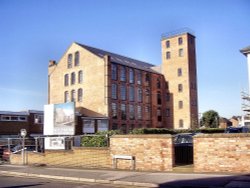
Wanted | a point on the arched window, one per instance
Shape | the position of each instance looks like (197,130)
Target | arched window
(73,78)
(73,95)
(77,57)
(66,96)
(79,95)
(181,123)
(70,61)
(80,77)
(66,80)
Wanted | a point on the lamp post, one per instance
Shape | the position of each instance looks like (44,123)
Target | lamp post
(23,134)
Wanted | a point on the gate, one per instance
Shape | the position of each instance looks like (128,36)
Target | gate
(183,148)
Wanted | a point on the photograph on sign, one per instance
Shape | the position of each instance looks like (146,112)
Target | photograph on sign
(55,143)
(64,115)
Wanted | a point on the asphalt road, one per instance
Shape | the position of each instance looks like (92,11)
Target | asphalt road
(14,182)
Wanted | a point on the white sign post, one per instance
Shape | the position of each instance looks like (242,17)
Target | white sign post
(23,134)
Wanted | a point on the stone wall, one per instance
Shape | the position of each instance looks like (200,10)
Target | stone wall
(222,153)
(151,152)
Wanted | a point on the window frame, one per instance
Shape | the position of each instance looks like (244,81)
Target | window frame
(69,61)
(79,95)
(77,59)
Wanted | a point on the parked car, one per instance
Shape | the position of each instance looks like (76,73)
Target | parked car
(16,150)
(243,129)
(184,139)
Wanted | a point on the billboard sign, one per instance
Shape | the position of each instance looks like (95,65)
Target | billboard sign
(59,119)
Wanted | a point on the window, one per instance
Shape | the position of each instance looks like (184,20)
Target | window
(77,58)
(114,72)
(168,55)
(131,112)
(114,126)
(73,95)
(80,77)
(114,91)
(131,93)
(147,96)
(66,80)
(139,77)
(114,110)
(179,72)
(180,41)
(181,123)
(181,52)
(73,78)
(159,114)
(147,78)
(13,118)
(66,96)
(168,97)
(123,112)
(123,74)
(123,92)
(70,61)
(38,119)
(131,76)
(147,112)
(180,88)
(158,83)
(139,95)
(158,98)
(180,104)
(123,128)
(79,95)
(139,112)
(168,112)
(167,44)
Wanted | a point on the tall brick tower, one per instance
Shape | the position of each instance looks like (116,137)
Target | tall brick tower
(179,69)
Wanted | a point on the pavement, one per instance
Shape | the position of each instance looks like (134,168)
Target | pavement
(130,178)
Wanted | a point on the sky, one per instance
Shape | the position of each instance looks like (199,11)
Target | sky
(32,32)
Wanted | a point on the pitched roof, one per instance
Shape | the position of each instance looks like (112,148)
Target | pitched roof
(121,59)
(245,50)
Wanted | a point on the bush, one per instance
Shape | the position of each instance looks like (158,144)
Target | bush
(211,130)
(175,131)
(152,131)
(100,139)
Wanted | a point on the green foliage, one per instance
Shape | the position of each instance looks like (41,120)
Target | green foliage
(100,139)
(177,131)
(152,131)
(210,119)
(211,130)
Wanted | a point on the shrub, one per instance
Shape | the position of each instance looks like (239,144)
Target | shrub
(100,139)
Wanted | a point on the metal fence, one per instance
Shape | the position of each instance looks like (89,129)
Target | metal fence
(84,151)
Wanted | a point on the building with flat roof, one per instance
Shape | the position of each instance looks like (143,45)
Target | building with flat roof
(118,92)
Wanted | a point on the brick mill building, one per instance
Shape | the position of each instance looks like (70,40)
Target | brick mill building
(118,92)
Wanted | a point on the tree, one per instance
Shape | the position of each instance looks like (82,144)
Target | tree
(210,119)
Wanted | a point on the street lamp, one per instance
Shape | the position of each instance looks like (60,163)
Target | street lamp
(23,134)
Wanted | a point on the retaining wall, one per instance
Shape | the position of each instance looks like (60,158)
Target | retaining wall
(222,153)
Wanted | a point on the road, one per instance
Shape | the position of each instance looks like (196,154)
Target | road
(13,182)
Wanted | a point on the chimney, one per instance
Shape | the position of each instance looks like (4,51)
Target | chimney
(52,63)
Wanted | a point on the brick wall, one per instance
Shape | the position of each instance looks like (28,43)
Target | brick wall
(222,153)
(152,152)
(78,157)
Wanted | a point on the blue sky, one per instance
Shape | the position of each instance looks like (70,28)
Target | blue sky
(32,32)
